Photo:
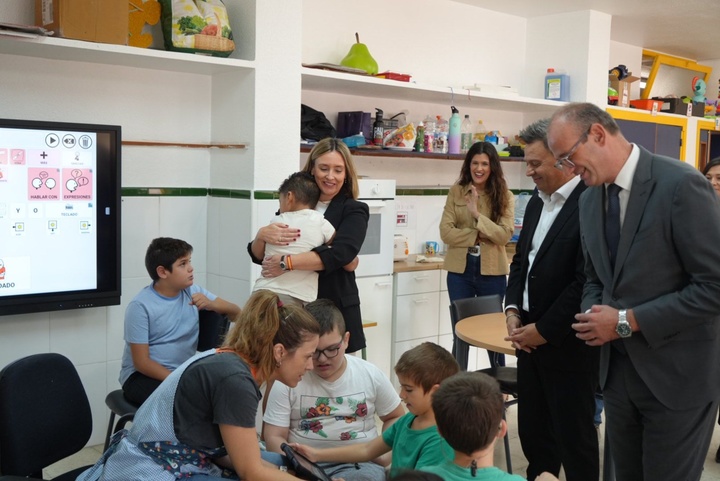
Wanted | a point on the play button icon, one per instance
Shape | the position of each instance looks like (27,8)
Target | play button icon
(52,140)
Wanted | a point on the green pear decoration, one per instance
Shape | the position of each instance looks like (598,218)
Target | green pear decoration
(359,57)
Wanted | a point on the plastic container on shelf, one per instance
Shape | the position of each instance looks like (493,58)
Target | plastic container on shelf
(441,135)
(557,86)
(480,132)
(420,137)
(429,141)
(466,135)
(454,132)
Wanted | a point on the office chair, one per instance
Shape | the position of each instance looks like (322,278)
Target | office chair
(506,376)
(45,416)
(212,330)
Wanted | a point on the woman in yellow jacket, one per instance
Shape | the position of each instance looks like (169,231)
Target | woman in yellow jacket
(476,224)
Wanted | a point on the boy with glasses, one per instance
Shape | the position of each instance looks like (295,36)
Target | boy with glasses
(335,403)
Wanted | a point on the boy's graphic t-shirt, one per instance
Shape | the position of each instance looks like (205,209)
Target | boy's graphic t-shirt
(321,414)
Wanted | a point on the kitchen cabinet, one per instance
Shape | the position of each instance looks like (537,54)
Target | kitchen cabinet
(376,299)
(421,313)
(657,138)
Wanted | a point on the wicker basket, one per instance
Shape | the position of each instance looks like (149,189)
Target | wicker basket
(214,43)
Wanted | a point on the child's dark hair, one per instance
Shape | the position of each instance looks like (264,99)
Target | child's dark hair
(164,251)
(327,315)
(426,365)
(468,411)
(414,475)
(304,187)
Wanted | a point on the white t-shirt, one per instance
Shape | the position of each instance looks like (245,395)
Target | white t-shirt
(321,414)
(315,231)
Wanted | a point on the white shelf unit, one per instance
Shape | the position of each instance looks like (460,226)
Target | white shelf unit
(366,86)
(53,48)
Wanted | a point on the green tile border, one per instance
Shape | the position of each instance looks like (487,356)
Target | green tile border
(261,194)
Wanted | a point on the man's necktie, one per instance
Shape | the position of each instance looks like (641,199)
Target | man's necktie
(612,221)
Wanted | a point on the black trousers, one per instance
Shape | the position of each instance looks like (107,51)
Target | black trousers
(556,411)
(138,387)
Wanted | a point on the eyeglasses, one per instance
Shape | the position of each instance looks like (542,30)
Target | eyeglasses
(329,352)
(564,162)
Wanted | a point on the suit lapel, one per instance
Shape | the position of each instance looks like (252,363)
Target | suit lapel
(642,186)
(566,213)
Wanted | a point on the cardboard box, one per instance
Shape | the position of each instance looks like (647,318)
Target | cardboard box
(104,21)
(673,105)
(623,88)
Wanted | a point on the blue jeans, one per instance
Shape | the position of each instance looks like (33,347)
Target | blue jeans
(471,284)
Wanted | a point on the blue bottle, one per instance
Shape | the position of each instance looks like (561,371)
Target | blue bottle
(557,86)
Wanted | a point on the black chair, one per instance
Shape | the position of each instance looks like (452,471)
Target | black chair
(45,416)
(212,330)
(506,376)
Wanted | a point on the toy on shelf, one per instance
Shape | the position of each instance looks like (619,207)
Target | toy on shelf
(699,87)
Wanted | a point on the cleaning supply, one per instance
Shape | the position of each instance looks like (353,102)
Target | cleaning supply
(378,128)
(557,86)
(466,135)
(454,132)
(420,138)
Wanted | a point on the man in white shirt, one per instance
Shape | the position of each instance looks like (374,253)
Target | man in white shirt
(557,372)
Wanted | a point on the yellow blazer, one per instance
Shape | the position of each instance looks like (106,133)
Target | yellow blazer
(459,231)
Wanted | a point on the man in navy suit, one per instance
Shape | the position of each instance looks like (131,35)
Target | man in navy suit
(557,372)
(650,230)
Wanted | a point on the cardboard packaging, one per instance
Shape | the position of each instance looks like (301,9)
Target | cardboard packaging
(104,21)
(623,88)
(677,106)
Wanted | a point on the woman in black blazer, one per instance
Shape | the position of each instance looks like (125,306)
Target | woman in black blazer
(332,166)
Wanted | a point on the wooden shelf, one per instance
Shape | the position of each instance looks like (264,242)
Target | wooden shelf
(187,145)
(409,155)
(366,86)
(54,48)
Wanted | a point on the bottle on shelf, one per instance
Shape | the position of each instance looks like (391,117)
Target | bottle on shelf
(420,137)
(378,128)
(454,132)
(429,140)
(557,86)
(466,135)
(441,135)
(479,135)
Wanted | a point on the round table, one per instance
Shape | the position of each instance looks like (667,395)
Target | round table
(487,331)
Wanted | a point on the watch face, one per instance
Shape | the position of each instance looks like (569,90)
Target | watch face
(623,329)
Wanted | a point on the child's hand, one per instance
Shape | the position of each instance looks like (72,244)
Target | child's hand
(200,301)
(306,451)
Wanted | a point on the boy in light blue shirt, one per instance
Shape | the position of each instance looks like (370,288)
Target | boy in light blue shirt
(161,322)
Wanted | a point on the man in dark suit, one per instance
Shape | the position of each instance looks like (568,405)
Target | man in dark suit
(557,372)
(650,230)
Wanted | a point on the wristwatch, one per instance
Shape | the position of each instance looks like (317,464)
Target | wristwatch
(283,264)
(623,326)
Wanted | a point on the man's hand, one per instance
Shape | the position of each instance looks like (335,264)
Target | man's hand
(597,326)
(526,338)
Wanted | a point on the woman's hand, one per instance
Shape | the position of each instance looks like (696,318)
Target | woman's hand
(471,200)
(305,450)
(271,266)
(278,234)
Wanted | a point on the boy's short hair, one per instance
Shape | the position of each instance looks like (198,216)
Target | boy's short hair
(304,187)
(468,411)
(426,365)
(327,315)
(164,251)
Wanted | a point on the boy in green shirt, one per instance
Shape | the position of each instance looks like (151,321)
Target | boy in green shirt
(468,409)
(414,438)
